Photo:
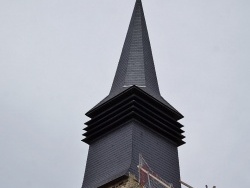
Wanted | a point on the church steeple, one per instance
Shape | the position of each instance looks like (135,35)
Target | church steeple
(136,65)
(133,119)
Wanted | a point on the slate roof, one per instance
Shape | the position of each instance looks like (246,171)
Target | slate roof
(117,154)
(133,119)
(136,64)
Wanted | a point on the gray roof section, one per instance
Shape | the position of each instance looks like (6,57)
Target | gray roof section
(109,157)
(117,153)
(136,64)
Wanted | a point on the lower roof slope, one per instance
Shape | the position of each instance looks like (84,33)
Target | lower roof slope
(117,154)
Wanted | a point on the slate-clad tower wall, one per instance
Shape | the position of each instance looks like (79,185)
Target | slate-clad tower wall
(109,157)
(133,119)
(160,153)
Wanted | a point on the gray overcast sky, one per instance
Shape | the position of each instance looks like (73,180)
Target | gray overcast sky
(58,59)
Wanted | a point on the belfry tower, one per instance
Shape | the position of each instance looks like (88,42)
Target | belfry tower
(133,119)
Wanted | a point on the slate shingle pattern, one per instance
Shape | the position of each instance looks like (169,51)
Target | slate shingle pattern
(133,119)
(109,157)
(160,153)
(117,153)
(136,64)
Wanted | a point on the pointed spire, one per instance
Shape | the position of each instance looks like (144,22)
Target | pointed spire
(136,65)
